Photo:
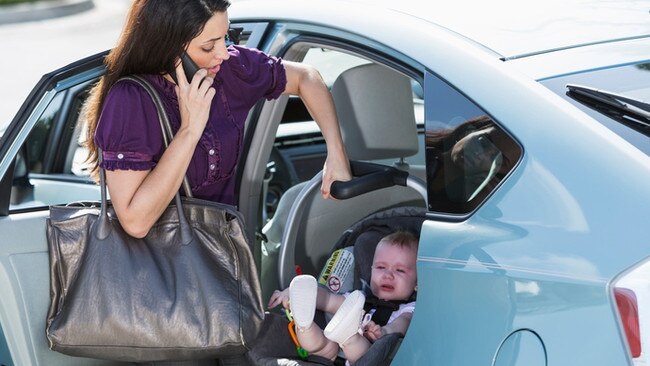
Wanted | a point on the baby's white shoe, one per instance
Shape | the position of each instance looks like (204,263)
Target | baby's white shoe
(303,291)
(347,320)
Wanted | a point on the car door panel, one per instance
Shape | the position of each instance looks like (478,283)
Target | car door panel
(35,148)
(24,265)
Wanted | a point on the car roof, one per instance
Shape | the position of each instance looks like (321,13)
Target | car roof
(515,28)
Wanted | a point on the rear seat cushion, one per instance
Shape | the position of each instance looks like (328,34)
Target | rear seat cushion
(274,347)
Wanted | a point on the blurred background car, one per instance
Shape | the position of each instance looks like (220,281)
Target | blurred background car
(521,129)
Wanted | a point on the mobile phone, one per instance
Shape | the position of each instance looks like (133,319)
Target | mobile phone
(189,67)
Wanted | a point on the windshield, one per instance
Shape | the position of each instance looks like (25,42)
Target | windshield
(612,96)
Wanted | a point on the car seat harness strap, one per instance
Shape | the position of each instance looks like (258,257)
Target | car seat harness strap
(381,310)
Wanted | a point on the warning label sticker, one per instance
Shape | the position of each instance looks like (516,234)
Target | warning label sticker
(338,271)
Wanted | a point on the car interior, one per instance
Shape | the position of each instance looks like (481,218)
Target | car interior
(381,118)
(375,107)
(381,115)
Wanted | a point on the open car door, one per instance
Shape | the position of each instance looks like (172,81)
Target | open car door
(41,164)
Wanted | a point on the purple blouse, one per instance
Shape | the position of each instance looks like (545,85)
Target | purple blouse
(128,131)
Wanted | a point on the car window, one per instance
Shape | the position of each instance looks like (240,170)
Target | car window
(467,153)
(50,167)
(331,63)
(299,148)
(37,142)
(632,81)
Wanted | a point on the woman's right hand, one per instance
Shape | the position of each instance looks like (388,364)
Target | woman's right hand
(194,100)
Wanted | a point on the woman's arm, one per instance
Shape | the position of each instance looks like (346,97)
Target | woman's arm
(140,197)
(306,82)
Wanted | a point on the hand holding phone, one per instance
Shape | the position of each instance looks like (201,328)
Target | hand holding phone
(194,99)
(189,67)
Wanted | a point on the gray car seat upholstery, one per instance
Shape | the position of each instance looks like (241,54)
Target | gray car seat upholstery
(374,105)
(375,111)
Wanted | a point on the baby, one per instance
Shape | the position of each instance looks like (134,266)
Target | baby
(391,304)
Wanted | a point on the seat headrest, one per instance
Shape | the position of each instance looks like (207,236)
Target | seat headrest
(374,105)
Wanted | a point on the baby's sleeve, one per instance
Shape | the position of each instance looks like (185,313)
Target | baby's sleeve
(407,308)
(128,131)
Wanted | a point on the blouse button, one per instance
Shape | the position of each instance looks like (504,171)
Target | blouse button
(120,156)
(212,166)
(211,152)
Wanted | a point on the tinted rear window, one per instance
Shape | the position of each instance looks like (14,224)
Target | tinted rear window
(632,81)
(468,154)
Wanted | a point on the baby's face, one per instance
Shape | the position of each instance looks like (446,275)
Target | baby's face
(393,275)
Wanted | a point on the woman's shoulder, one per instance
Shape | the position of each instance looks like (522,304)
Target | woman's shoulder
(248,62)
(242,55)
(129,92)
(128,102)
(125,89)
(251,74)
(129,84)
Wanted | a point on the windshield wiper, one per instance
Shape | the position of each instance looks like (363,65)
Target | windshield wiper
(632,112)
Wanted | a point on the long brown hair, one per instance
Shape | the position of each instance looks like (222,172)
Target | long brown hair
(155,33)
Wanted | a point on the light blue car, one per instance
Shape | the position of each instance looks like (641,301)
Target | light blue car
(520,128)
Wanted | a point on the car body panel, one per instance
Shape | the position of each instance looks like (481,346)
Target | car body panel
(548,25)
(525,278)
(534,117)
(527,259)
(478,307)
(24,262)
(592,57)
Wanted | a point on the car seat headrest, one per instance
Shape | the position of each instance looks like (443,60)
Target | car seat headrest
(374,105)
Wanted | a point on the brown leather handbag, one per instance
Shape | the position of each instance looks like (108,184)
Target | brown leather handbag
(188,290)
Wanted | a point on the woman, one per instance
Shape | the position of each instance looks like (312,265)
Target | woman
(207,113)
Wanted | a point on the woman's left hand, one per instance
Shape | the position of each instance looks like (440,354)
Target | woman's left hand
(335,169)
(305,81)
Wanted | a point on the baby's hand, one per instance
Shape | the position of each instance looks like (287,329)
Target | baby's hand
(373,331)
(279,297)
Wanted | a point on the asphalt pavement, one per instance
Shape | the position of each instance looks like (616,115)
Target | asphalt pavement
(31,11)
(49,39)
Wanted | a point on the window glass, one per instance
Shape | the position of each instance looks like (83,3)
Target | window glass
(331,63)
(299,149)
(50,167)
(632,81)
(37,142)
(246,34)
(467,153)
(76,155)
(5,356)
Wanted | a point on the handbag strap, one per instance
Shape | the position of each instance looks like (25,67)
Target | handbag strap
(104,226)
(163,118)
